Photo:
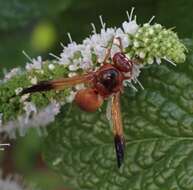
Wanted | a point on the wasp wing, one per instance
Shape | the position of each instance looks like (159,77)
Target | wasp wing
(117,128)
(58,84)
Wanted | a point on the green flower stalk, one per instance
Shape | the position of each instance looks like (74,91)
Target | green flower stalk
(148,44)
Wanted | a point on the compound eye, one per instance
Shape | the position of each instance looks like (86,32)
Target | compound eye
(122,63)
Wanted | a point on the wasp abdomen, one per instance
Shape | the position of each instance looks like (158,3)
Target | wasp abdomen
(88,99)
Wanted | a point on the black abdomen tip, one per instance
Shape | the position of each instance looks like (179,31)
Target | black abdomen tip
(119,148)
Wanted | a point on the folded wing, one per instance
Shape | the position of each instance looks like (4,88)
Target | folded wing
(58,84)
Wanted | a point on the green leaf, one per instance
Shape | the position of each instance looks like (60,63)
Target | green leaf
(158,127)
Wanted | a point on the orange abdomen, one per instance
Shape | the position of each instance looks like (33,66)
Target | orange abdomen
(88,99)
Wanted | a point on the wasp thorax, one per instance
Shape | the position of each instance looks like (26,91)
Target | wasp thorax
(122,63)
(88,99)
(108,80)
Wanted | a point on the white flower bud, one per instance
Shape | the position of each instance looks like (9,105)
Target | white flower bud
(70,98)
(72,74)
(24,97)
(136,44)
(158,60)
(130,27)
(51,66)
(34,80)
(142,55)
(150,61)
(79,86)
(18,90)
(72,67)
(151,31)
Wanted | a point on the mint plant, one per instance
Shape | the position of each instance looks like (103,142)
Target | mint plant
(158,130)
(157,120)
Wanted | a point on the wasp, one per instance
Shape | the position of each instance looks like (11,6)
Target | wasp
(103,84)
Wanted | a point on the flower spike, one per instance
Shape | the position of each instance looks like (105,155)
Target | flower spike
(144,44)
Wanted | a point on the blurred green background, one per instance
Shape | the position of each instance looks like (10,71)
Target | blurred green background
(38,27)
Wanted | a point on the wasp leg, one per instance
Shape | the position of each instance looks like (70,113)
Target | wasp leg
(120,45)
(107,56)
